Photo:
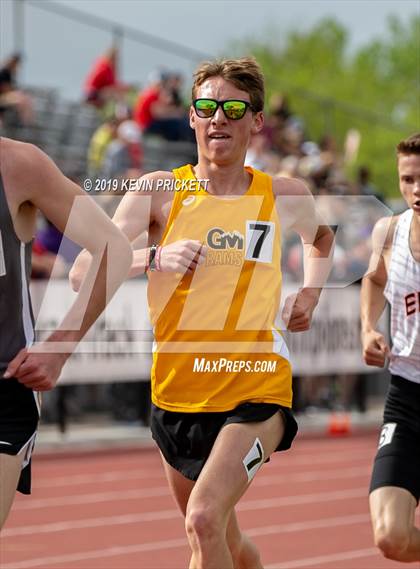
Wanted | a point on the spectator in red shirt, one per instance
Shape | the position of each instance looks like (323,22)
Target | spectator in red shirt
(147,98)
(101,83)
(157,112)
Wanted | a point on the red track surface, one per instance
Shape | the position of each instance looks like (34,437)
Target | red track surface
(307,508)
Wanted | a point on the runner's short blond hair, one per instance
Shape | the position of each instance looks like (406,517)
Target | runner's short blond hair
(245,73)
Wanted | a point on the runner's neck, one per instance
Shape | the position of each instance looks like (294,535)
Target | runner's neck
(224,180)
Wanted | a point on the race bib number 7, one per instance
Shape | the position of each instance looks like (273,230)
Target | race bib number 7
(259,241)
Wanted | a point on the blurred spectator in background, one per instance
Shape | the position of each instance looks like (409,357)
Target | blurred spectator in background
(10,96)
(325,166)
(329,151)
(284,129)
(147,100)
(290,139)
(43,263)
(124,155)
(280,111)
(159,108)
(98,144)
(260,156)
(310,164)
(365,186)
(289,167)
(257,153)
(102,83)
(52,254)
(173,85)
(49,238)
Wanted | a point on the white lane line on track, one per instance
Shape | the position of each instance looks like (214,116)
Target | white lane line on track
(123,475)
(311,476)
(334,557)
(308,525)
(315,448)
(145,517)
(326,457)
(133,494)
(97,554)
(176,543)
(349,439)
(110,476)
(93,498)
(285,501)
(103,459)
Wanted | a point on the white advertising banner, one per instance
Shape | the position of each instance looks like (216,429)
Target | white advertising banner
(332,345)
(119,345)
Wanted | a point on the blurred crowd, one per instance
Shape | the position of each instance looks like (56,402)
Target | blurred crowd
(128,115)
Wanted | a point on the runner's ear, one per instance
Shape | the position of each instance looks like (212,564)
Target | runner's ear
(192,117)
(257,122)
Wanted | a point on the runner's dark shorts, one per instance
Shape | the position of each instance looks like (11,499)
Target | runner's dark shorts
(397,461)
(18,425)
(186,439)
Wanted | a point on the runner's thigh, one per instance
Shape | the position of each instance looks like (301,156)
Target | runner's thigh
(238,452)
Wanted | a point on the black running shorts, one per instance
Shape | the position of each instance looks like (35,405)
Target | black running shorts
(19,418)
(397,461)
(186,439)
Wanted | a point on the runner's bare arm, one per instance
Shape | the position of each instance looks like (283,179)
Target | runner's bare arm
(75,214)
(136,214)
(297,210)
(372,299)
(317,237)
(134,217)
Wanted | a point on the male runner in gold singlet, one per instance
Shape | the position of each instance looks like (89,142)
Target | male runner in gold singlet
(221,376)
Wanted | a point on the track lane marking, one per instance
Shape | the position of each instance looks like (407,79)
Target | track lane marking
(292,461)
(332,558)
(176,543)
(125,519)
(110,496)
(113,476)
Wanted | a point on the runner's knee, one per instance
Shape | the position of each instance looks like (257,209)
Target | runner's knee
(203,523)
(393,541)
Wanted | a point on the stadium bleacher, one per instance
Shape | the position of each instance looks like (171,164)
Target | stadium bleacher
(63,130)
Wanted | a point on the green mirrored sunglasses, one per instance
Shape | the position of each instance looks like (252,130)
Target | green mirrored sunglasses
(233,109)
